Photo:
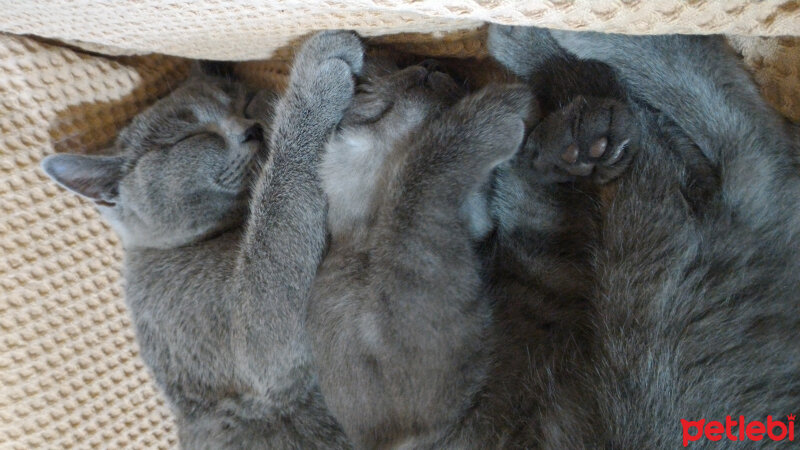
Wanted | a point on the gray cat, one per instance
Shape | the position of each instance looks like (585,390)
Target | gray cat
(442,319)
(537,260)
(222,242)
(696,267)
(398,316)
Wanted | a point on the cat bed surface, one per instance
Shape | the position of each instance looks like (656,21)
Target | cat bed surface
(70,374)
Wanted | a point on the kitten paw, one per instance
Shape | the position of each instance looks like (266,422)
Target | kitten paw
(326,45)
(495,118)
(324,70)
(508,100)
(590,137)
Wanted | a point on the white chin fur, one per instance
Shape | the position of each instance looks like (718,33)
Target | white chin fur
(349,172)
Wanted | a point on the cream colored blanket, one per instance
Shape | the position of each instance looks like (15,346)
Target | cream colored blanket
(70,375)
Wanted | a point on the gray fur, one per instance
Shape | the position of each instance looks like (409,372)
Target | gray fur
(537,261)
(695,308)
(398,317)
(218,286)
(179,172)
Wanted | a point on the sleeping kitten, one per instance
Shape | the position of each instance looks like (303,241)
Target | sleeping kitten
(397,316)
(222,243)
(695,307)
(537,260)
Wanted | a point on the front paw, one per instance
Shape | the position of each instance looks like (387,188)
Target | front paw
(324,69)
(327,45)
(589,137)
(495,119)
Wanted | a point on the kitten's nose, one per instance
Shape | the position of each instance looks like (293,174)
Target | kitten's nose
(254,133)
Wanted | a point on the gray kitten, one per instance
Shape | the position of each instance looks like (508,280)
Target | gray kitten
(222,244)
(538,259)
(398,317)
(695,312)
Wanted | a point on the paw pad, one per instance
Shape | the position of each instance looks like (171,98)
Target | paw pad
(588,137)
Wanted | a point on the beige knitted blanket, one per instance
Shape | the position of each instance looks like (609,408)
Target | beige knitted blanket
(70,374)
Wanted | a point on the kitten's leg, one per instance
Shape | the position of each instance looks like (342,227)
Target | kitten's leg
(399,336)
(285,233)
(695,80)
(645,232)
(472,138)
(701,86)
(522,50)
(695,306)
(686,296)
(555,75)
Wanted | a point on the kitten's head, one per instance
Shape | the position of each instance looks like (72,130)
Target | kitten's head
(390,102)
(181,170)
(389,106)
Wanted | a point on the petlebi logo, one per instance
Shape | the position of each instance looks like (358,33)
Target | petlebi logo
(738,430)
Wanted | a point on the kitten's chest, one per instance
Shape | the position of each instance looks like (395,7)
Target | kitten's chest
(352,173)
(179,302)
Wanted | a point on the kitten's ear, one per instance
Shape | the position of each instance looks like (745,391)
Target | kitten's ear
(94,177)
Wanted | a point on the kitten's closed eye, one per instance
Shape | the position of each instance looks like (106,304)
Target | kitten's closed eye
(200,134)
(186,115)
(181,168)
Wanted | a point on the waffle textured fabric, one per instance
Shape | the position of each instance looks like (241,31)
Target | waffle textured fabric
(70,374)
(251,29)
